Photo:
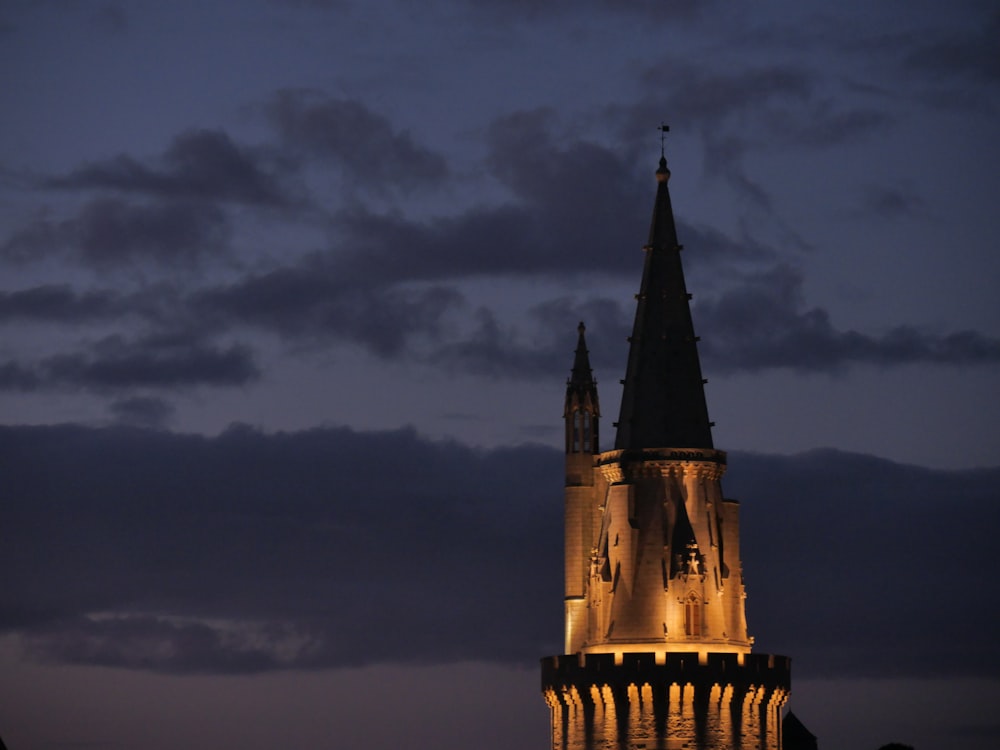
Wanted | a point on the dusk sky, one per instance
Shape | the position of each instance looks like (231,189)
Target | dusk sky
(289,297)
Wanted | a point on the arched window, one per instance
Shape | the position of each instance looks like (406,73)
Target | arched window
(581,431)
(692,616)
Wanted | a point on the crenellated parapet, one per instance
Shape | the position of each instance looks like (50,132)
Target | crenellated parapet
(697,668)
(674,700)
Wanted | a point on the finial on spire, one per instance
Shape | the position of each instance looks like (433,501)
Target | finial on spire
(664,129)
(581,328)
(663,174)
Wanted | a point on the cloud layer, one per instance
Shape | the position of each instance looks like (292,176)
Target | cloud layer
(396,284)
(326,548)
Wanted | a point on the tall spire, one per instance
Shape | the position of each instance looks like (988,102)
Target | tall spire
(663,402)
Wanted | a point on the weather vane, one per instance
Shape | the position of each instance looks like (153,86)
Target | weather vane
(664,129)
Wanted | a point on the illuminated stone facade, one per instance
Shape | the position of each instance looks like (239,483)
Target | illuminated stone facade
(657,649)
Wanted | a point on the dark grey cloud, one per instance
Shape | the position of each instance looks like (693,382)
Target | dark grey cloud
(158,309)
(249,551)
(675,10)
(159,360)
(17,377)
(971,55)
(60,303)
(709,98)
(165,644)
(390,283)
(718,106)
(545,349)
(574,207)
(860,545)
(36,240)
(948,66)
(750,110)
(829,124)
(204,165)
(313,302)
(310,536)
(109,233)
(890,202)
(142,411)
(363,143)
(765,323)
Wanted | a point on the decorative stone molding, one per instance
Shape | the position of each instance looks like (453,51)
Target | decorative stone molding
(630,465)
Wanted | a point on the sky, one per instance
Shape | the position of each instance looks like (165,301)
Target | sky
(288,298)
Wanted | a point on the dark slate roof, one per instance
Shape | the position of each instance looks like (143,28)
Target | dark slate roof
(795,736)
(663,402)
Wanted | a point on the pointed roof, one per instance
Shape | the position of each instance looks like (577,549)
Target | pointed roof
(663,402)
(581,383)
(795,736)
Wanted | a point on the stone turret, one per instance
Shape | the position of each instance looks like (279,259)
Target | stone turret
(582,417)
(657,648)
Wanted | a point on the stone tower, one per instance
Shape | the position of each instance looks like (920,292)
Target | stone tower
(657,653)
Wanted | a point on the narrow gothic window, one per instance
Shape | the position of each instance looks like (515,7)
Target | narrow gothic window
(692,616)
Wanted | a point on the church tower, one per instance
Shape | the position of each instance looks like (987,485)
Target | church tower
(657,653)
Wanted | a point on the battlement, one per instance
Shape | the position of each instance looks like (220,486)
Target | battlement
(674,668)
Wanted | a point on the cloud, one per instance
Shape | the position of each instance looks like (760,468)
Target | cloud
(708,98)
(272,531)
(502,351)
(361,142)
(203,165)
(736,113)
(109,232)
(893,202)
(967,55)
(861,545)
(764,323)
(249,551)
(168,644)
(313,302)
(16,377)
(142,411)
(680,10)
(59,303)
(154,361)
(572,200)
(718,105)
(393,284)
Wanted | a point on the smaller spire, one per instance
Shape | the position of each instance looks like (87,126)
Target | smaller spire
(582,374)
(582,410)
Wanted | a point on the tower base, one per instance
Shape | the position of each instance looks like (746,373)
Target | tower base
(666,701)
